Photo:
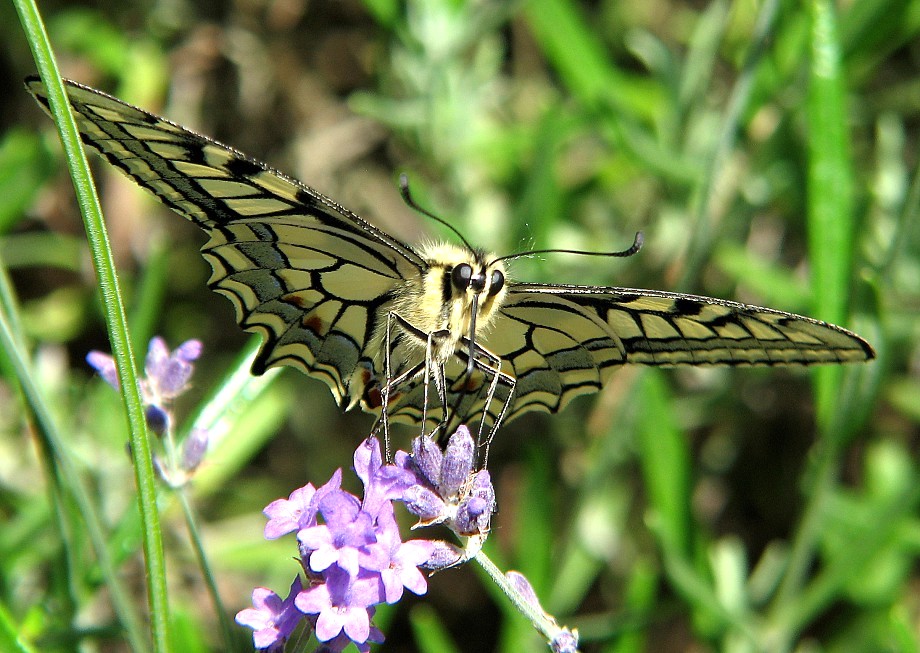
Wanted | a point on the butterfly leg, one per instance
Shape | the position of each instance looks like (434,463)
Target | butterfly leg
(490,365)
(385,392)
(385,389)
(440,382)
(390,384)
(430,368)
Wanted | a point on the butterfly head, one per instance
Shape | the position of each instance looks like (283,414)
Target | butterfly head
(463,290)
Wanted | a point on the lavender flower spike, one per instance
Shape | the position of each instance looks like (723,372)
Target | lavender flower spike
(168,373)
(563,640)
(351,552)
(167,376)
(446,489)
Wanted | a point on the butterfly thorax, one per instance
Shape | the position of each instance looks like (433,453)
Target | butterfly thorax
(441,300)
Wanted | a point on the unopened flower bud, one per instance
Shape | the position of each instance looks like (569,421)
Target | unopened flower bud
(458,462)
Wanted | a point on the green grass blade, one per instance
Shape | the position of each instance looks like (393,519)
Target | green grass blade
(115,319)
(665,460)
(10,640)
(431,635)
(701,234)
(831,190)
(578,54)
(830,232)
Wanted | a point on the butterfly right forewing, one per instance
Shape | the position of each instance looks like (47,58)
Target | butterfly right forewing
(310,276)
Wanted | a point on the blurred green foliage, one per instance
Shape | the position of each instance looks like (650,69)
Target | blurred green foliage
(725,510)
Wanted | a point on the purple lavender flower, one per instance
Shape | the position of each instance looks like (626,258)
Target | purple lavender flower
(444,555)
(341,604)
(474,511)
(105,366)
(291,514)
(403,558)
(566,641)
(167,376)
(298,511)
(341,641)
(457,464)
(157,419)
(563,640)
(346,539)
(519,582)
(382,483)
(168,373)
(271,619)
(194,449)
(351,550)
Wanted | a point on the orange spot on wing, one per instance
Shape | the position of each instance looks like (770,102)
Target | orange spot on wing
(295,299)
(468,384)
(374,398)
(315,324)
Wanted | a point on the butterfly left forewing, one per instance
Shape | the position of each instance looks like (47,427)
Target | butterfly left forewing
(560,342)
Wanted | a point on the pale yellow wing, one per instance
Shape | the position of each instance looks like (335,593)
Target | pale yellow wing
(560,342)
(310,276)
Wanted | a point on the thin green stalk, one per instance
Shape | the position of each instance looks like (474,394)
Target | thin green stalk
(830,193)
(47,441)
(61,465)
(115,320)
(431,635)
(542,622)
(906,217)
(195,536)
(9,305)
(791,618)
(237,390)
(700,593)
(10,639)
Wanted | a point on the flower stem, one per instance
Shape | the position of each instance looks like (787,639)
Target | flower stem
(543,623)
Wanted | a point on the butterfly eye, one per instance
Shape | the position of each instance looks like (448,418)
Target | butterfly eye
(461,275)
(498,282)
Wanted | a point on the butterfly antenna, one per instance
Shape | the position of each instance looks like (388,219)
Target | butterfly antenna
(638,241)
(410,202)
